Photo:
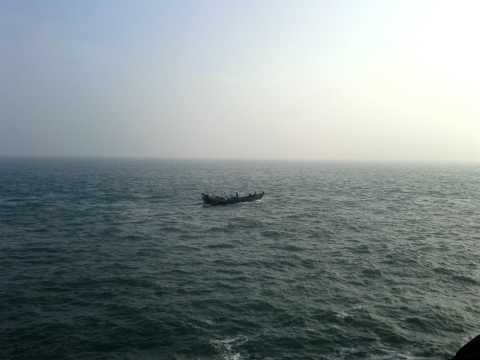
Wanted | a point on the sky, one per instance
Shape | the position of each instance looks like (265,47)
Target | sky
(334,80)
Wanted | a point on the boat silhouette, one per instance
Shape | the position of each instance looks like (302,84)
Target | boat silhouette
(222,200)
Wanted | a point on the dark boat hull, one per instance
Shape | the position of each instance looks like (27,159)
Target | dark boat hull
(218,200)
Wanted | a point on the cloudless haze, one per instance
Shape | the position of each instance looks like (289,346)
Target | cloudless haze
(357,80)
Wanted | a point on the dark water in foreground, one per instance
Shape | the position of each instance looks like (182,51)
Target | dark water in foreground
(119,260)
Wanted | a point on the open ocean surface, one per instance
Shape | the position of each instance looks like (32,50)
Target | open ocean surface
(118,259)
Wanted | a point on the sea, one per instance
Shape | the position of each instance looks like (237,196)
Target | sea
(119,259)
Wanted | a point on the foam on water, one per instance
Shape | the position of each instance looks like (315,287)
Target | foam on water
(228,347)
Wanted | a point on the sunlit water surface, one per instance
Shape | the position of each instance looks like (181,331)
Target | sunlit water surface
(118,259)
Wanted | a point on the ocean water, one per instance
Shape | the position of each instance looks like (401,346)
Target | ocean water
(118,259)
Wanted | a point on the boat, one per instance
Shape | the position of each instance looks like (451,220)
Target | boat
(221,200)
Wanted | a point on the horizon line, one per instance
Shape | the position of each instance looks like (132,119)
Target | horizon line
(235,159)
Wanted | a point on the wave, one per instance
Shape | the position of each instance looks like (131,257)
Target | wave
(228,348)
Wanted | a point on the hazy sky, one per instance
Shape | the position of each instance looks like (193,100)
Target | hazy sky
(366,80)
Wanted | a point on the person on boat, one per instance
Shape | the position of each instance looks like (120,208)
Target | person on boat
(236,195)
